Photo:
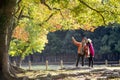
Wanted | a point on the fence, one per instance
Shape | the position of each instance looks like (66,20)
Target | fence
(61,63)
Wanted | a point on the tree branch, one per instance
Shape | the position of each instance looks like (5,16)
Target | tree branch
(47,19)
(94,10)
(44,3)
(25,16)
(18,7)
(59,11)
(19,16)
(113,13)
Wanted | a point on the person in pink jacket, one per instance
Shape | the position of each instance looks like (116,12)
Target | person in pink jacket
(92,52)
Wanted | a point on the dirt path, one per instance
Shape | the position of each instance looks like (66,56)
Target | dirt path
(71,73)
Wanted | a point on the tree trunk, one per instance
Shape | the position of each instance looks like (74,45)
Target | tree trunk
(4,45)
(6,28)
(15,69)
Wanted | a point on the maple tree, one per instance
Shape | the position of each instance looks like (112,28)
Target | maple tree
(19,44)
(24,41)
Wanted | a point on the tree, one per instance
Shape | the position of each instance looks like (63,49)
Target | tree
(24,42)
(7,25)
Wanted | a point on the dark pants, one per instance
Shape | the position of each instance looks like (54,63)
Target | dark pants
(78,58)
(90,61)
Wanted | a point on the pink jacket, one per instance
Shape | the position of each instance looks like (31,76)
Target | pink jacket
(91,48)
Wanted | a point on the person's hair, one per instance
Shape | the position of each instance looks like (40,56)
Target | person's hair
(89,40)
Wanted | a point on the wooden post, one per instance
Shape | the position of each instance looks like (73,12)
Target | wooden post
(55,59)
(61,64)
(46,64)
(119,61)
(42,59)
(29,65)
(106,62)
(14,63)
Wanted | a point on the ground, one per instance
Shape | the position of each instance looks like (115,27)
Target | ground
(73,73)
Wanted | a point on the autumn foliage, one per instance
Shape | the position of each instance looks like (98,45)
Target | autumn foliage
(89,28)
(20,33)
